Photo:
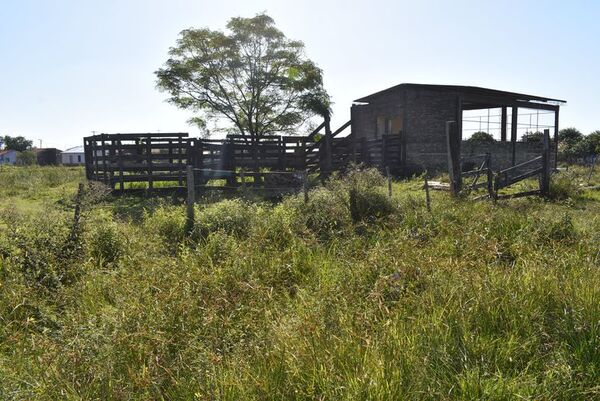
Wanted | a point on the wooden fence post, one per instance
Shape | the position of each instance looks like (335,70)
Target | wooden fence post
(453,142)
(545,178)
(427,196)
(490,176)
(305,186)
(191,199)
(149,164)
(328,146)
(121,172)
(389,181)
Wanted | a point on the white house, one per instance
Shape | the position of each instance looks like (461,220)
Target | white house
(73,156)
(8,156)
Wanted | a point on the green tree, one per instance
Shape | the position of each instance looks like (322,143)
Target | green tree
(26,158)
(532,136)
(252,80)
(18,143)
(588,146)
(481,136)
(569,136)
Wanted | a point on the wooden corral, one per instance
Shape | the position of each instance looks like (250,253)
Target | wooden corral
(402,130)
(141,161)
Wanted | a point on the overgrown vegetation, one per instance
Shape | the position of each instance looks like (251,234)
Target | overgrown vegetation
(351,296)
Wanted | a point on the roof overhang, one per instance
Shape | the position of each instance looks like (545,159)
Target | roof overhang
(476,97)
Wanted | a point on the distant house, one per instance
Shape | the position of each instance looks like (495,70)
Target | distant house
(8,156)
(73,156)
(47,156)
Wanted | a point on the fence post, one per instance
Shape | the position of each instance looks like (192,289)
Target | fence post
(191,199)
(328,145)
(243,178)
(305,186)
(490,176)
(149,164)
(453,142)
(389,181)
(545,179)
(383,152)
(427,197)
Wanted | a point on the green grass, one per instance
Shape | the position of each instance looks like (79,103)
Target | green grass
(351,296)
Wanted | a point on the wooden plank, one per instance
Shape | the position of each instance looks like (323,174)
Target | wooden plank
(341,129)
(506,182)
(556,131)
(521,165)
(518,195)
(503,123)
(149,163)
(513,134)
(191,199)
(453,145)
(545,174)
(120,162)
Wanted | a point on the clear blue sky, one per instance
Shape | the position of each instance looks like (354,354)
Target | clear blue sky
(71,67)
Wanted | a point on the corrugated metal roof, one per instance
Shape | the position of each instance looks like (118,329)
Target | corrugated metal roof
(76,149)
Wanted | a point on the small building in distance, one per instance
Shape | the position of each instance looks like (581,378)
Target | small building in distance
(8,156)
(47,156)
(73,156)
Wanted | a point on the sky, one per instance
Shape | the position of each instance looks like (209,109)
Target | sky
(69,68)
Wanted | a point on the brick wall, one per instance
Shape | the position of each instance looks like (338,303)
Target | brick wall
(427,113)
(501,152)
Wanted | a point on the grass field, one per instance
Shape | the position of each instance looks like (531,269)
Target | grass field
(351,296)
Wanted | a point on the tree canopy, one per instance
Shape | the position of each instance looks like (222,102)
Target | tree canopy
(531,136)
(481,136)
(251,80)
(18,143)
(569,136)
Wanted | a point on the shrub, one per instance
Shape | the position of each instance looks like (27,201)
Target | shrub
(168,222)
(106,242)
(367,200)
(481,136)
(37,246)
(326,213)
(533,136)
(26,158)
(561,230)
(564,186)
(232,216)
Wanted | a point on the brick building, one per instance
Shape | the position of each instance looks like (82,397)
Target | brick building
(418,114)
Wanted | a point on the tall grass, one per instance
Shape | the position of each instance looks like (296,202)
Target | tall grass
(350,296)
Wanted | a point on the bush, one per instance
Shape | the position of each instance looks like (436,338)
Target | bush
(37,247)
(569,136)
(26,158)
(564,186)
(367,199)
(168,222)
(106,242)
(533,137)
(326,214)
(232,216)
(481,136)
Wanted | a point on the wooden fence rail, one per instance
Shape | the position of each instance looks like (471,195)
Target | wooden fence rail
(151,161)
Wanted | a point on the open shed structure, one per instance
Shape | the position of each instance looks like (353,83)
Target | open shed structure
(418,114)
